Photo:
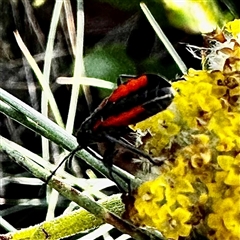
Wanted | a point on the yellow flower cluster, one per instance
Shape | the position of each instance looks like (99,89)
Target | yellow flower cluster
(198,190)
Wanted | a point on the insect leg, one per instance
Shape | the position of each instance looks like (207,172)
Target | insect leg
(68,157)
(130,147)
(107,160)
(108,156)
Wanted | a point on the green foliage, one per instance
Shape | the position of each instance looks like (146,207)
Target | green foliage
(108,62)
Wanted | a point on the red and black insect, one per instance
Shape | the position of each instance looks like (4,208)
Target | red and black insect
(133,101)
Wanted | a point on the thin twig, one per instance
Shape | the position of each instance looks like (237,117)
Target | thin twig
(163,38)
(33,22)
(53,132)
(52,197)
(45,86)
(79,70)
(74,195)
(88,81)
(70,25)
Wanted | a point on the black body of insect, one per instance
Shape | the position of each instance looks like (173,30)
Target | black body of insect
(133,101)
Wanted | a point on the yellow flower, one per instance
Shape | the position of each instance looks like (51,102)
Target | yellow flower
(232,63)
(198,134)
(215,222)
(161,133)
(174,186)
(225,219)
(232,167)
(206,101)
(236,192)
(233,27)
(150,195)
(199,151)
(226,126)
(217,188)
(184,201)
(180,167)
(231,220)
(173,223)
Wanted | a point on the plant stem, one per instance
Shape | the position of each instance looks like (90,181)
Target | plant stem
(74,194)
(35,121)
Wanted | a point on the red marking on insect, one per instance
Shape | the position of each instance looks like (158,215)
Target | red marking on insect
(127,88)
(123,119)
(133,101)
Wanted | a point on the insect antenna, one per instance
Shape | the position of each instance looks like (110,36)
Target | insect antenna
(69,157)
